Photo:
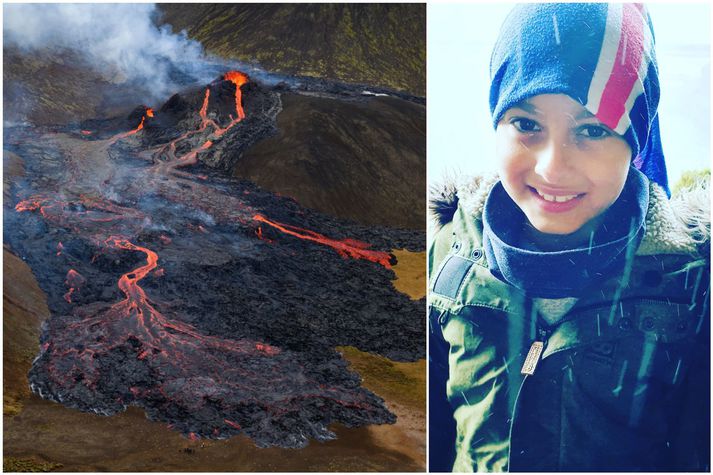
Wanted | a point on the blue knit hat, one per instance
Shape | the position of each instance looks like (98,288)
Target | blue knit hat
(599,54)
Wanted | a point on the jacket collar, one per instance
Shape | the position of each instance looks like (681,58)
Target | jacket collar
(679,228)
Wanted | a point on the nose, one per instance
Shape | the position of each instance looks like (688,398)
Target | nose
(553,162)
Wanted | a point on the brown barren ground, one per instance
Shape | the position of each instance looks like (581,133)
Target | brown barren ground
(410,273)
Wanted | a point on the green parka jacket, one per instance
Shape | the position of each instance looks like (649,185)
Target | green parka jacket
(623,381)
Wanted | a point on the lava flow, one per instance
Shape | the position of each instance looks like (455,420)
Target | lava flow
(75,214)
(147,113)
(238,79)
(346,248)
(176,368)
(228,335)
(191,157)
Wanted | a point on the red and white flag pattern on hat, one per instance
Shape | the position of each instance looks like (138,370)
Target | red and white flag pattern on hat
(622,67)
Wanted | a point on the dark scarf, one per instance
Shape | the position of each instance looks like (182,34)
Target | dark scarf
(566,272)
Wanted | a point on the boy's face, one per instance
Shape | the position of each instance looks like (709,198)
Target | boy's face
(559,164)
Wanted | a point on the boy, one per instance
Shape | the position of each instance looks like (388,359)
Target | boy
(568,301)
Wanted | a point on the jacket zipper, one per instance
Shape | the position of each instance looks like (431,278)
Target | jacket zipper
(528,369)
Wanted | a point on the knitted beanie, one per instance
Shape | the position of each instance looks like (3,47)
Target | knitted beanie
(601,55)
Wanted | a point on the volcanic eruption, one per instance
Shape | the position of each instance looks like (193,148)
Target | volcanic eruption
(212,304)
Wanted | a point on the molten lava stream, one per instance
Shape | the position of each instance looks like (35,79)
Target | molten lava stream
(345,248)
(191,157)
(147,113)
(238,79)
(173,343)
(136,304)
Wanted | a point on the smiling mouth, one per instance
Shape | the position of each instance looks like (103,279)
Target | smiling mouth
(556,198)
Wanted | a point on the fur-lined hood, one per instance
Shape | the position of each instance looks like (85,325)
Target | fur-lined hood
(681,224)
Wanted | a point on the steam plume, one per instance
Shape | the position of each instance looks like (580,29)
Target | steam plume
(121,40)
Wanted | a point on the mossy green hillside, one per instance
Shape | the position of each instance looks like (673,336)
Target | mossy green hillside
(377,44)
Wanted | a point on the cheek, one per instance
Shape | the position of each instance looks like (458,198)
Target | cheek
(504,150)
(611,177)
(618,183)
(511,156)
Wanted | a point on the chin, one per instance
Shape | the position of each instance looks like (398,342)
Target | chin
(548,227)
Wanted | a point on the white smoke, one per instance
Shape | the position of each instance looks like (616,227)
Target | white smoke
(120,40)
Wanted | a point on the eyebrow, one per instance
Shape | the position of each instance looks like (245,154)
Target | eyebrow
(585,114)
(527,107)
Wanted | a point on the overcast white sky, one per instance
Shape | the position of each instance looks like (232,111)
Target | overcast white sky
(460,40)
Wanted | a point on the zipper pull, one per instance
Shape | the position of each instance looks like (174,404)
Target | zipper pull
(533,357)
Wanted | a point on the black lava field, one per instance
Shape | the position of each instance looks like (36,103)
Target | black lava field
(210,303)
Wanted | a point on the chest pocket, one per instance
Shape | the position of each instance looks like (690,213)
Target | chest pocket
(630,362)
(451,275)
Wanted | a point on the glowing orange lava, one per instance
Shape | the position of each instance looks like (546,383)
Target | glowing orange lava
(28,205)
(231,423)
(174,342)
(238,79)
(151,322)
(147,113)
(346,248)
(191,157)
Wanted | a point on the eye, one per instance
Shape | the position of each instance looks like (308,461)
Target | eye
(594,131)
(525,125)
